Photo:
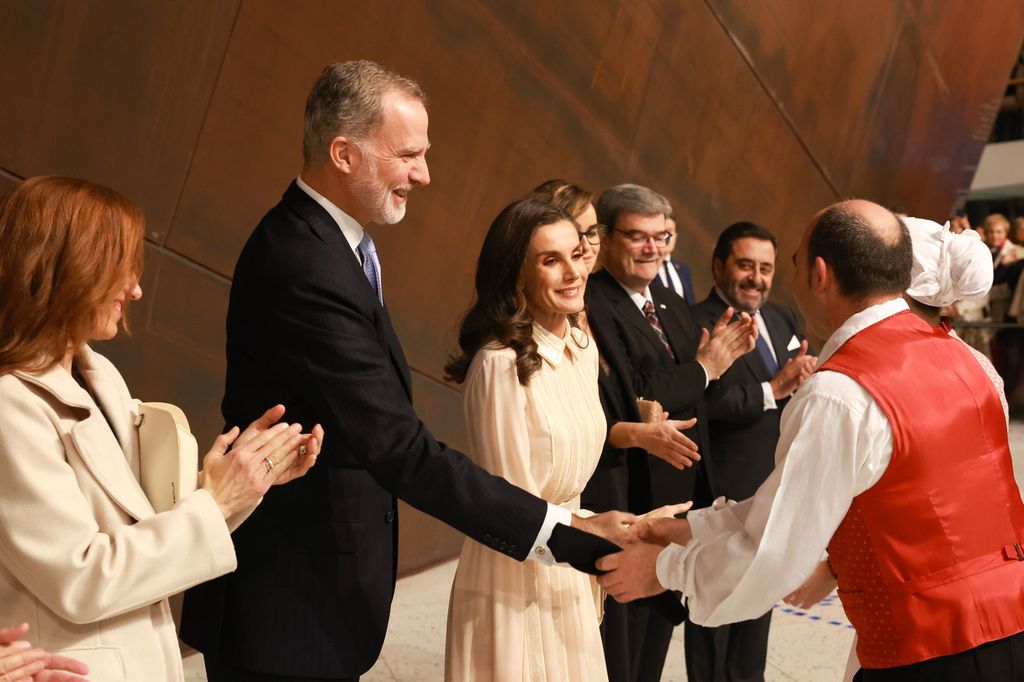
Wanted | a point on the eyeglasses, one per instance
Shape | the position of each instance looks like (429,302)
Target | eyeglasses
(637,238)
(594,234)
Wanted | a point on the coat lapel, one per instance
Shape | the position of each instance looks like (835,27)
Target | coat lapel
(94,437)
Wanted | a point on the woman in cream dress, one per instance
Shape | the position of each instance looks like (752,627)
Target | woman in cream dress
(534,417)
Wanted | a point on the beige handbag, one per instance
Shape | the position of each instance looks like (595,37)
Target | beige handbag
(168,455)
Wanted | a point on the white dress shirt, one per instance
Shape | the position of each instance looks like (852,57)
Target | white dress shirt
(353,233)
(835,443)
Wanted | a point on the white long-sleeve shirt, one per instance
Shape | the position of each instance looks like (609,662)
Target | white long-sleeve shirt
(835,442)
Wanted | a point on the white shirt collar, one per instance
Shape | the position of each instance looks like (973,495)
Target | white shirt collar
(638,299)
(351,229)
(552,348)
(859,322)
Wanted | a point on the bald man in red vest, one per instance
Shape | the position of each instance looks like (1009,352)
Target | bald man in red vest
(894,456)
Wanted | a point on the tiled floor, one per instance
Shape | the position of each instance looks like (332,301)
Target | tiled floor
(809,646)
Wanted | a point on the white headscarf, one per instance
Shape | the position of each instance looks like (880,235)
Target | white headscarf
(947,267)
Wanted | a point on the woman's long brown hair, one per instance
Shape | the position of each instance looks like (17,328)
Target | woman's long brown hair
(499,314)
(66,245)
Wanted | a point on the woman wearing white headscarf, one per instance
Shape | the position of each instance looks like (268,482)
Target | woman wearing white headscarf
(948,267)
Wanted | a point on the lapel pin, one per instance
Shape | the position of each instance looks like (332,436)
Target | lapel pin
(662,306)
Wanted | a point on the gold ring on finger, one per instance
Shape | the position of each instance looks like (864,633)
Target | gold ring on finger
(270,464)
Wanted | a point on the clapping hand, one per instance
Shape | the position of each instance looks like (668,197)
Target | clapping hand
(726,342)
(308,445)
(794,373)
(19,661)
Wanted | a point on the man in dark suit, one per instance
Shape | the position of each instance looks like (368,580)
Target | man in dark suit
(744,407)
(652,349)
(307,327)
(675,274)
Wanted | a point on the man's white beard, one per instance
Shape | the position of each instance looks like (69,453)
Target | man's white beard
(376,195)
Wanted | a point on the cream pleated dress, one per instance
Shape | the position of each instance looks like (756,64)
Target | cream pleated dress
(511,620)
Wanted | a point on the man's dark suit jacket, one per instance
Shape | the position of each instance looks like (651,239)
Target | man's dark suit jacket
(317,558)
(634,363)
(743,434)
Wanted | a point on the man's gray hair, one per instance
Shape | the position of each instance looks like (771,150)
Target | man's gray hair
(629,198)
(347,100)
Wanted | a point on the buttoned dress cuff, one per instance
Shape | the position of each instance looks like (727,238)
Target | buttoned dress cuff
(769,397)
(555,515)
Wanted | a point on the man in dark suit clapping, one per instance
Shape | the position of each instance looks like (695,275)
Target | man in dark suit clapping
(743,409)
(307,327)
(652,349)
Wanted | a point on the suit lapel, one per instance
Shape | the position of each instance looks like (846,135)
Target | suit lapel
(676,321)
(626,309)
(327,230)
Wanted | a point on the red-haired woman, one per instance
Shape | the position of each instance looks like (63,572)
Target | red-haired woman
(84,559)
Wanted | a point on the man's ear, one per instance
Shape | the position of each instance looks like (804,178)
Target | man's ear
(342,153)
(716,269)
(821,275)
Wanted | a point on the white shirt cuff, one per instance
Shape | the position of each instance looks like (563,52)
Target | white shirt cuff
(540,551)
(769,397)
(670,567)
(707,377)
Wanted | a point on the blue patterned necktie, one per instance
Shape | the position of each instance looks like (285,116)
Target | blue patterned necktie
(766,355)
(371,266)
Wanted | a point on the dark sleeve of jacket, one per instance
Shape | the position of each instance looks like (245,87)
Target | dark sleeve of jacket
(304,318)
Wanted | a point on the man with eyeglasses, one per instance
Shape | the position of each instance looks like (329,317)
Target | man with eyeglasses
(652,349)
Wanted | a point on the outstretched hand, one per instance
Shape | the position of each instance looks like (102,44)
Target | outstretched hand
(665,440)
(613,526)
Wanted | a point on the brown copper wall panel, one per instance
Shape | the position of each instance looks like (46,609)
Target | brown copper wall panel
(735,109)
(114,91)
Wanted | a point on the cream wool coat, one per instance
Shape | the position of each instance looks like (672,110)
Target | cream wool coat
(83,557)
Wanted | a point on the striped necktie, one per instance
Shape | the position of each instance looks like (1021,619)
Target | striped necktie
(652,319)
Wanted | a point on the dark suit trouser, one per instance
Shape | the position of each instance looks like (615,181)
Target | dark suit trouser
(728,653)
(650,636)
(222,672)
(998,661)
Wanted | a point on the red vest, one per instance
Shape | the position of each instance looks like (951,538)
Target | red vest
(929,559)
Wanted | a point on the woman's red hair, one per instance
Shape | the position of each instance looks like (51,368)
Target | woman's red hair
(66,245)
